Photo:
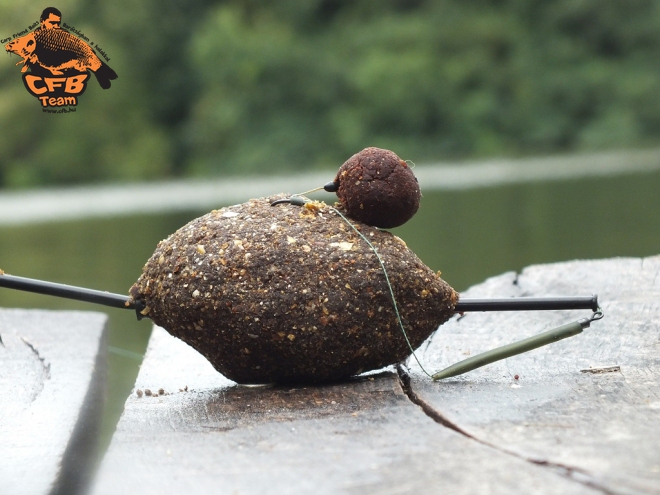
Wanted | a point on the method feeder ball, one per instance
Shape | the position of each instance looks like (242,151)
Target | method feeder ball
(378,188)
(290,293)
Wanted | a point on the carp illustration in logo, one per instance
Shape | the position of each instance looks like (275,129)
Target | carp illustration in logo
(49,51)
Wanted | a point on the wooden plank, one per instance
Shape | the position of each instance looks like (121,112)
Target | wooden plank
(204,434)
(52,369)
(599,427)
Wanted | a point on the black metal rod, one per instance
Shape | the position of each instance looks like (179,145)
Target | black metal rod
(463,305)
(67,291)
(528,304)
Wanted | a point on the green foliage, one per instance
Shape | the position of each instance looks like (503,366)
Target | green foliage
(214,87)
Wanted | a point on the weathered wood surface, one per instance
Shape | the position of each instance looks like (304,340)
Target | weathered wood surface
(361,436)
(52,370)
(554,430)
(598,428)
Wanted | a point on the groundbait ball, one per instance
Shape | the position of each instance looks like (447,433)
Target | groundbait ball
(378,188)
(292,293)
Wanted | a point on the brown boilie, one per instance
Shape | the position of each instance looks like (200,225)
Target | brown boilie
(378,188)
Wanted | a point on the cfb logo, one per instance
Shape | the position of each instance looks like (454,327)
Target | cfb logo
(56,91)
(57,65)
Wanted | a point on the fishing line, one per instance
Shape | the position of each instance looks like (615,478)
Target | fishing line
(125,353)
(389,286)
(298,200)
(310,191)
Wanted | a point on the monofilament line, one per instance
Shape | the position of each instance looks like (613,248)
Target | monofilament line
(310,191)
(389,285)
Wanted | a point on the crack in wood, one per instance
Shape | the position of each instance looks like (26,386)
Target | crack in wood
(404,381)
(45,368)
(573,473)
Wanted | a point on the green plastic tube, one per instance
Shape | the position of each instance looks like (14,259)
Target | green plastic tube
(545,338)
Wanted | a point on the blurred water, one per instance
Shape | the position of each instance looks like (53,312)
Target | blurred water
(468,234)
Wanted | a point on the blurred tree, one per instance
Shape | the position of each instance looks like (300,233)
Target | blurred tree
(208,87)
(109,137)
